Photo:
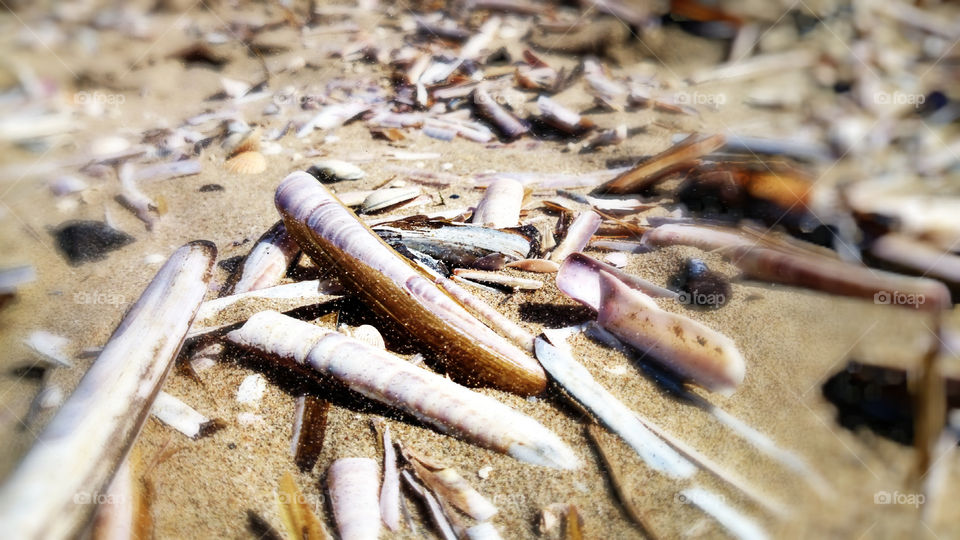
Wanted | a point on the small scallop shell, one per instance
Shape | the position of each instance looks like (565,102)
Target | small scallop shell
(251,162)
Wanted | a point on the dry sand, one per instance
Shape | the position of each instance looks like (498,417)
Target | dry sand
(792,341)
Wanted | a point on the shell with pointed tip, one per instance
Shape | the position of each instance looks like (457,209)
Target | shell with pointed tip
(384,377)
(268,260)
(685,345)
(96,426)
(333,237)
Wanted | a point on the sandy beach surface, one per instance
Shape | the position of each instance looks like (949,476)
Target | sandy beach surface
(792,340)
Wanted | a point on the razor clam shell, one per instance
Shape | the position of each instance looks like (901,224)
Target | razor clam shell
(540,266)
(579,278)
(309,431)
(96,426)
(649,171)
(116,516)
(738,524)
(498,278)
(919,257)
(381,376)
(578,235)
(492,317)
(458,245)
(292,295)
(390,487)
(333,236)
(688,347)
(268,260)
(353,484)
(562,118)
(506,123)
(385,198)
(611,412)
(782,262)
(436,512)
(500,206)
(454,489)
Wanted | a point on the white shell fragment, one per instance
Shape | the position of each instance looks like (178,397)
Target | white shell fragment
(251,389)
(353,484)
(267,262)
(93,430)
(385,198)
(335,170)
(381,376)
(500,206)
(483,531)
(579,384)
(50,347)
(178,415)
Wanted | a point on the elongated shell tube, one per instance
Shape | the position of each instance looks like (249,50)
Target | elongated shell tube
(353,484)
(802,266)
(332,236)
(500,206)
(611,412)
(381,376)
(685,345)
(92,432)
